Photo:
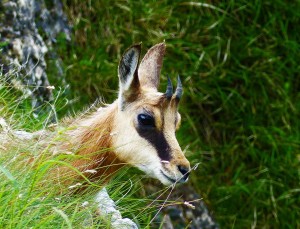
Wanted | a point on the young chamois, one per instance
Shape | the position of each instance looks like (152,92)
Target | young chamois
(137,129)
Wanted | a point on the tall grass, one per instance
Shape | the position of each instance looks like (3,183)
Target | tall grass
(239,64)
(30,197)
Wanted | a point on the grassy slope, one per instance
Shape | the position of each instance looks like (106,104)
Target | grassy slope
(239,64)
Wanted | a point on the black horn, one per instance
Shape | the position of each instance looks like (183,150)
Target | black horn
(178,92)
(169,91)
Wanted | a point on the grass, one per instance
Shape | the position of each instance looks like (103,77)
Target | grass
(30,198)
(238,61)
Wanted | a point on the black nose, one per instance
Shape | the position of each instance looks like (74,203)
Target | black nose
(184,170)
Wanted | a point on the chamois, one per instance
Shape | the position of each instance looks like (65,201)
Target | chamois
(137,129)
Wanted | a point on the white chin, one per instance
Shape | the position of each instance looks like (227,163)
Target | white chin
(156,175)
(165,181)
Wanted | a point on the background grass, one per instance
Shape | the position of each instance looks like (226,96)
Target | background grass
(239,63)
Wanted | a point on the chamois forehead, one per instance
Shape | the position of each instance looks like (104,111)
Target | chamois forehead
(152,97)
(153,102)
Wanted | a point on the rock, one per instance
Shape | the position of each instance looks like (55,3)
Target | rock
(28,31)
(107,209)
(190,211)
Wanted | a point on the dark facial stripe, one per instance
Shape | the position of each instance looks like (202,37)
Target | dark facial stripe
(158,141)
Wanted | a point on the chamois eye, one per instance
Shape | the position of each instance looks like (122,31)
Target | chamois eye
(146,120)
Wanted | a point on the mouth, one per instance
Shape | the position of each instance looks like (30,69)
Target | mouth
(168,178)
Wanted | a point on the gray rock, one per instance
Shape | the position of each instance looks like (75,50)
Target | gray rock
(28,31)
(107,209)
(192,213)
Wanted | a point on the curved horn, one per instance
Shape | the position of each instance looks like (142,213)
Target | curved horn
(169,91)
(178,92)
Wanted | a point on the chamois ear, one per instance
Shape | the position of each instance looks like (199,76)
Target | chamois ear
(150,66)
(128,75)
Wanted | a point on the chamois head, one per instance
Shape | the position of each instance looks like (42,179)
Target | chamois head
(146,119)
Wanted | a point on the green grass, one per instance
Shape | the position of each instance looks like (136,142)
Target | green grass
(31,198)
(239,63)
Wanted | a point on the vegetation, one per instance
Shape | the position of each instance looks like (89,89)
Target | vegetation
(238,61)
(31,198)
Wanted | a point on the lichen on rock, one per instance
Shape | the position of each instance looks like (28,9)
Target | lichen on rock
(28,31)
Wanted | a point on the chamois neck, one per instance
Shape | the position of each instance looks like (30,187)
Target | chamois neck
(91,139)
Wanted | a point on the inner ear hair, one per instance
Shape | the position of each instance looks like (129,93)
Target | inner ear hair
(129,64)
(128,73)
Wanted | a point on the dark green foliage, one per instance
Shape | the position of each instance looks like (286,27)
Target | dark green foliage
(239,63)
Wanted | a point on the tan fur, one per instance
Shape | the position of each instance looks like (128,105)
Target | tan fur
(89,138)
